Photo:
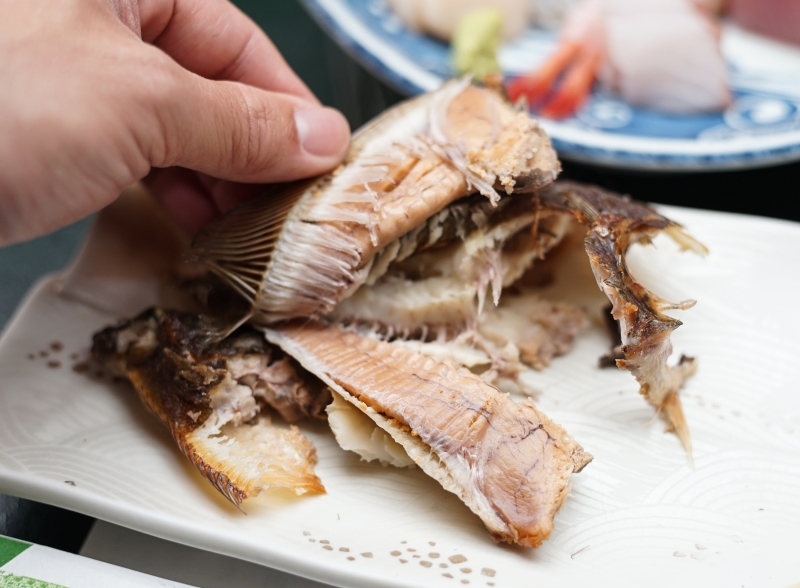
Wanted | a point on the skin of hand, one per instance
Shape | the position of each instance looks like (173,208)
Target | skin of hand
(188,94)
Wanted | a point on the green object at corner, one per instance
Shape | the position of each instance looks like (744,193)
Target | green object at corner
(9,549)
(12,581)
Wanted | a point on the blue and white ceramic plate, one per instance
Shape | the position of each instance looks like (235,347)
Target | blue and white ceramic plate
(761,128)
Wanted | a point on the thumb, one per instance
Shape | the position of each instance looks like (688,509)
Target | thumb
(237,132)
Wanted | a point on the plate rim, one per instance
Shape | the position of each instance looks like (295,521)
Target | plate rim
(336,18)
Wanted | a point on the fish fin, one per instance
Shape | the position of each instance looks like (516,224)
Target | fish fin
(645,330)
(223,332)
(672,410)
(684,240)
(238,246)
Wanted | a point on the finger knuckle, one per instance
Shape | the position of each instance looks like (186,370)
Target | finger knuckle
(257,144)
(160,93)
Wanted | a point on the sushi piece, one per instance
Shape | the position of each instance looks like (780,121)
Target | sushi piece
(441,18)
(661,54)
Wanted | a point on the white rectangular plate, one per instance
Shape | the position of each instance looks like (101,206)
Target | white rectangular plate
(640,514)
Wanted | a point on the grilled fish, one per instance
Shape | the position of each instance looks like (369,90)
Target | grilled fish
(376,277)
(212,397)
(506,461)
(615,223)
(437,290)
(299,250)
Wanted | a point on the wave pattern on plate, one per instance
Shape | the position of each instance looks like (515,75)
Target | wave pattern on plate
(638,513)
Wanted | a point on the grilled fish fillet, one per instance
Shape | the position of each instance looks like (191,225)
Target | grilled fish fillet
(300,249)
(212,396)
(506,461)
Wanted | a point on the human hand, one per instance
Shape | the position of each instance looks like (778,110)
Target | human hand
(189,94)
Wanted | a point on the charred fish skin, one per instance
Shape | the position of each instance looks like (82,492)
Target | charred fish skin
(615,223)
(205,393)
(137,344)
(506,461)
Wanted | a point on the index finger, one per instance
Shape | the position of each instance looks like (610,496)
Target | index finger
(217,41)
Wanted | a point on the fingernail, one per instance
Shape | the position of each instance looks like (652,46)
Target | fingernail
(323,132)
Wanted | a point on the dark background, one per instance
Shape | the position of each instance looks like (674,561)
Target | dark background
(340,82)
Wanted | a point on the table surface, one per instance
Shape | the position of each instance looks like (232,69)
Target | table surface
(342,83)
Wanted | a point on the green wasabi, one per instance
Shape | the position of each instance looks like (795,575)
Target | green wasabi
(476,41)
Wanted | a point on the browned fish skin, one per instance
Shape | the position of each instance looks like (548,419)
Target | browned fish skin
(176,369)
(508,462)
(616,222)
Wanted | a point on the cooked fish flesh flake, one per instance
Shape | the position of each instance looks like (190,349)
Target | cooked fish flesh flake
(438,276)
(302,248)
(278,382)
(356,432)
(615,223)
(210,396)
(523,332)
(538,329)
(506,461)
(489,142)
